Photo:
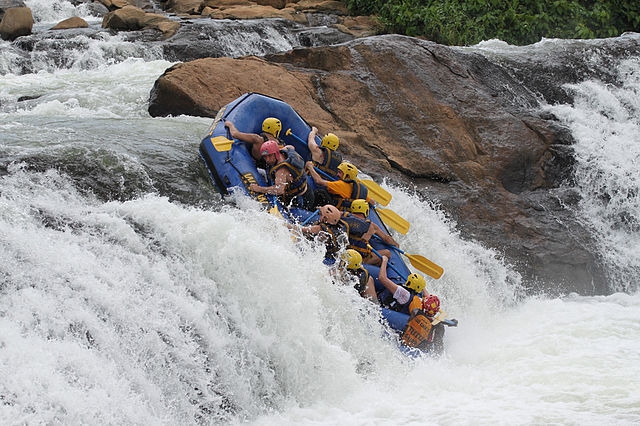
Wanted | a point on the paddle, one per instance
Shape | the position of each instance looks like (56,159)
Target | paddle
(421,263)
(276,212)
(441,317)
(307,220)
(221,144)
(394,220)
(379,194)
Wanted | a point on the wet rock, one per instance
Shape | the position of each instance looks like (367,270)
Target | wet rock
(16,22)
(130,18)
(74,22)
(8,4)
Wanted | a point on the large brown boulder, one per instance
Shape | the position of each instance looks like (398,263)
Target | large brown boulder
(332,6)
(73,22)
(16,22)
(255,12)
(131,18)
(184,6)
(449,123)
(192,88)
(127,18)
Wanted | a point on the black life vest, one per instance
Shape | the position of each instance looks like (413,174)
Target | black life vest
(332,160)
(363,278)
(335,237)
(357,228)
(295,164)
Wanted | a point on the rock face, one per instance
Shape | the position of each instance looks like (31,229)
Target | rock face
(447,121)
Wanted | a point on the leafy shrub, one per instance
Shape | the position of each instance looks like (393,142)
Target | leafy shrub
(466,22)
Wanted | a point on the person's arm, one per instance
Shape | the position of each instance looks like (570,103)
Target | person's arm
(375,229)
(384,279)
(316,152)
(314,175)
(252,138)
(370,291)
(278,188)
(399,293)
(311,229)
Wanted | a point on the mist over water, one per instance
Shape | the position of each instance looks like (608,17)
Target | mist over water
(131,293)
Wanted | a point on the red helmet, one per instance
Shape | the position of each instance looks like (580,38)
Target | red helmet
(431,305)
(269,147)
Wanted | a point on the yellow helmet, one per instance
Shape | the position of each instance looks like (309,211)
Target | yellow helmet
(348,170)
(272,126)
(352,259)
(416,283)
(330,141)
(360,206)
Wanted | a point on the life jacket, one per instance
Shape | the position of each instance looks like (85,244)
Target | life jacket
(417,330)
(387,300)
(357,228)
(363,278)
(358,191)
(332,160)
(295,164)
(337,237)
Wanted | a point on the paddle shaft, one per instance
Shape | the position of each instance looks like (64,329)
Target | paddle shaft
(325,174)
(307,220)
(296,137)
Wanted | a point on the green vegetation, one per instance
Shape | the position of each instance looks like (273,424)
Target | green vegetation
(519,22)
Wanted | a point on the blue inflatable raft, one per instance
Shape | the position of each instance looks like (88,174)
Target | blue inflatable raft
(233,169)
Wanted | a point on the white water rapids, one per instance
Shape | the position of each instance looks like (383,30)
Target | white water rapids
(152,311)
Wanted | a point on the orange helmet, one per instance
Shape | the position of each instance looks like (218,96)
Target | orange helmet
(330,214)
(431,305)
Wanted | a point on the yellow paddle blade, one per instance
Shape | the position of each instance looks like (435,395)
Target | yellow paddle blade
(425,265)
(221,144)
(394,220)
(441,315)
(376,192)
(276,212)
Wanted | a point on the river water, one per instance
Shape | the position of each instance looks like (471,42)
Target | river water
(130,293)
